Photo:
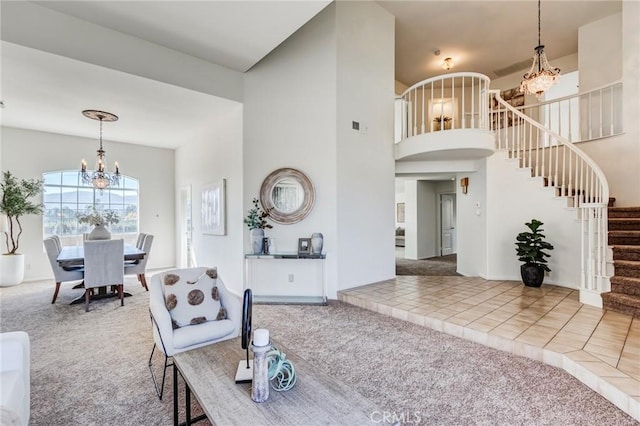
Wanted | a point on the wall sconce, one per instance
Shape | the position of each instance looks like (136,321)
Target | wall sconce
(464,183)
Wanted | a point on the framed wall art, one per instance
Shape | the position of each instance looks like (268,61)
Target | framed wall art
(213,208)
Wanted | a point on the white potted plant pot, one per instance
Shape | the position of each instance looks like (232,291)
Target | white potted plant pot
(11,269)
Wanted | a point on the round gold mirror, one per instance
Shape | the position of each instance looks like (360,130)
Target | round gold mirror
(288,195)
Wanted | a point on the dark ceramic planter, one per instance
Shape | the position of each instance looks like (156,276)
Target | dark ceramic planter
(532,275)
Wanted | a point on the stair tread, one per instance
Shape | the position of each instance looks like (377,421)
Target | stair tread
(620,279)
(626,299)
(624,219)
(625,232)
(626,247)
(624,209)
(627,262)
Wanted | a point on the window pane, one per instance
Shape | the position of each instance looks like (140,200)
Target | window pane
(130,197)
(70,178)
(65,196)
(130,183)
(52,178)
(51,194)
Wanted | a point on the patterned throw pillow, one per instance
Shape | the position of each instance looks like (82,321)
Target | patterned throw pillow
(193,300)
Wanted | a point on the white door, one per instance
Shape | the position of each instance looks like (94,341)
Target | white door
(186,244)
(447,223)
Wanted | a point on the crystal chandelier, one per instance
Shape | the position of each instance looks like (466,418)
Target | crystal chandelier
(100,178)
(541,76)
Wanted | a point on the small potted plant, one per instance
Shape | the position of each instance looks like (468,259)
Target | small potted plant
(16,203)
(98,219)
(442,123)
(530,247)
(256,220)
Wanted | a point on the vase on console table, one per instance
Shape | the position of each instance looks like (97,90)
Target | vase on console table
(317,240)
(99,232)
(257,240)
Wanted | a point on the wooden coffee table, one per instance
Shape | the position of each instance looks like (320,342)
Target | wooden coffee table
(317,398)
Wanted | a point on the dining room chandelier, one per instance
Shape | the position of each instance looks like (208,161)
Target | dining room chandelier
(100,178)
(541,76)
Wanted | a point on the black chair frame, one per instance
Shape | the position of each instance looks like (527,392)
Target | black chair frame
(159,390)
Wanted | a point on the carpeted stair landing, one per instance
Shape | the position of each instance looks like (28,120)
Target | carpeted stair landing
(624,236)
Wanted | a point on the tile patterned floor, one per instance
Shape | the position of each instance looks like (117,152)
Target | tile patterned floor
(548,324)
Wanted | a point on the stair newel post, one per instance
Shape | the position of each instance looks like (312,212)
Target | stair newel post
(527,126)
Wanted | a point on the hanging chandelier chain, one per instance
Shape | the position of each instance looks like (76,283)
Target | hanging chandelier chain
(539,42)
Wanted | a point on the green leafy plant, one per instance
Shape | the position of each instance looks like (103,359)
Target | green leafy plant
(15,204)
(93,216)
(530,246)
(256,217)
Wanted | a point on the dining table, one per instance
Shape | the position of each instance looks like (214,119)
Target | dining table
(73,256)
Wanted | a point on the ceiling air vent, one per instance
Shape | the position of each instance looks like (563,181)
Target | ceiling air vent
(518,66)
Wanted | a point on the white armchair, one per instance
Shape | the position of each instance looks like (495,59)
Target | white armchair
(172,340)
(15,378)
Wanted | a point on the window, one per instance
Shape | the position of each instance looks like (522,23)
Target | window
(65,195)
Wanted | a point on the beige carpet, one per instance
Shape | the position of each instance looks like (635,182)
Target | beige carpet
(91,368)
(433,266)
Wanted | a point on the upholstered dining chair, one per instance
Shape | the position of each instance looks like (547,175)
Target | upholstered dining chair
(170,334)
(139,267)
(60,274)
(103,266)
(140,241)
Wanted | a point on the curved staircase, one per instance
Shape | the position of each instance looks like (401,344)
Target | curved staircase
(624,236)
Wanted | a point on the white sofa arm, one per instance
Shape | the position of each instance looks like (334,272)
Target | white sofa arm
(233,304)
(161,319)
(15,370)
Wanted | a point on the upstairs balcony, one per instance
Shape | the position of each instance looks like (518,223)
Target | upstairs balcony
(444,118)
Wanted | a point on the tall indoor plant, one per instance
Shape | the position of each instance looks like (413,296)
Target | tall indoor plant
(530,247)
(256,220)
(16,195)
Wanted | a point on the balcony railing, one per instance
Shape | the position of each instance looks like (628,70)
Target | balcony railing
(581,117)
(447,102)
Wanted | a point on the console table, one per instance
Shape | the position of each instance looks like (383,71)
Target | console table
(286,277)
(316,399)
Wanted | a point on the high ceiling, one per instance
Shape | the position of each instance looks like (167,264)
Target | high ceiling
(481,36)
(485,36)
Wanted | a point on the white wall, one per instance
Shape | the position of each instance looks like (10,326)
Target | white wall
(27,154)
(617,38)
(365,161)
(472,223)
(299,104)
(600,52)
(290,121)
(209,159)
(421,218)
(513,198)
